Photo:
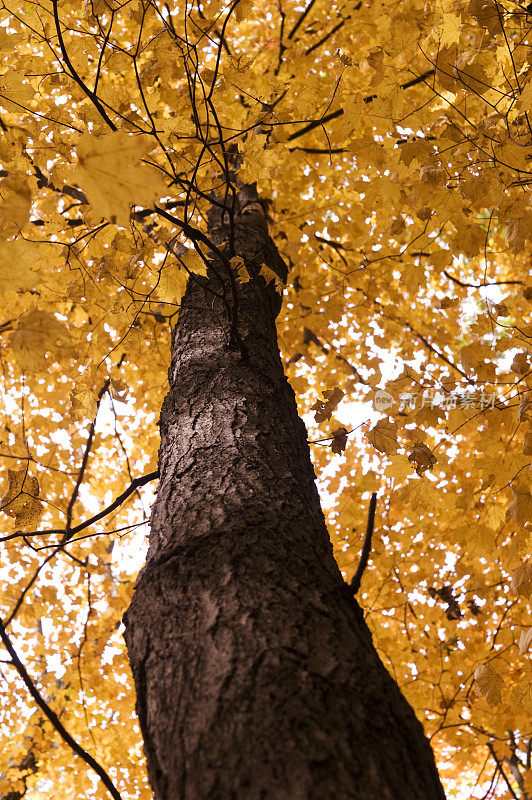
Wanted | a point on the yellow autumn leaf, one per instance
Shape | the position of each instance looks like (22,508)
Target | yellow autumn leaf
(40,338)
(523,697)
(474,355)
(494,515)
(420,495)
(399,468)
(271,277)
(16,261)
(525,98)
(118,390)
(111,174)
(193,262)
(522,579)
(237,263)
(449,33)
(478,539)
(413,277)
(258,159)
(15,205)
(383,437)
(83,402)
(325,408)
(423,457)
(171,283)
(20,500)
(521,507)
(525,640)
(489,683)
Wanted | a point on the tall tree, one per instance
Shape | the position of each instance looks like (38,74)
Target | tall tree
(255,673)
(377,153)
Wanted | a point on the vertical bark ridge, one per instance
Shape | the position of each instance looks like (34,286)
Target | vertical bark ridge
(255,673)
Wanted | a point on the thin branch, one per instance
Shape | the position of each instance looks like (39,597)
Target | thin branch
(440,355)
(301,19)
(366,547)
(418,79)
(74,75)
(501,771)
(81,473)
(514,769)
(315,123)
(327,35)
(332,438)
(479,285)
(133,486)
(54,719)
(26,589)
(319,150)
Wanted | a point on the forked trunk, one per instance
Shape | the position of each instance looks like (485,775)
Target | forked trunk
(255,673)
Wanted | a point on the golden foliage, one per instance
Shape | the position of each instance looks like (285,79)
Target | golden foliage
(395,143)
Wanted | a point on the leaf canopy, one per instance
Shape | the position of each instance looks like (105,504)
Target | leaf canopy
(393,144)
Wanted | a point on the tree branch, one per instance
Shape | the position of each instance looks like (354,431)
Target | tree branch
(501,771)
(366,547)
(54,719)
(315,123)
(133,486)
(81,472)
(479,285)
(74,75)
(327,36)
(301,19)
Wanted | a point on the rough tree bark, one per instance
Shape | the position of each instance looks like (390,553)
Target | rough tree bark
(255,673)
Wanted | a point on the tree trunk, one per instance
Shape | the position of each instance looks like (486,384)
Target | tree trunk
(255,673)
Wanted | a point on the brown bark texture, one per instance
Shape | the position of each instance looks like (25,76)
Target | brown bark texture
(255,673)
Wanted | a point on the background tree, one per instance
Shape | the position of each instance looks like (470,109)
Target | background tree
(394,144)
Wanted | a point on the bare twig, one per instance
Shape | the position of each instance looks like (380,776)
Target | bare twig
(366,547)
